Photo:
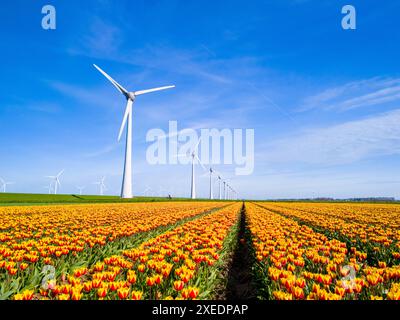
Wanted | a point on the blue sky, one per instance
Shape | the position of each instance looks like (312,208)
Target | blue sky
(323,101)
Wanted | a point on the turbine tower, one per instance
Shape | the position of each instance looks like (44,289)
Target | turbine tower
(56,180)
(126,190)
(193,181)
(101,185)
(211,185)
(193,155)
(224,190)
(219,182)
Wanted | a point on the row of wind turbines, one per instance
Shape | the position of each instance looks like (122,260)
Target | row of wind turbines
(126,188)
(55,183)
(228,192)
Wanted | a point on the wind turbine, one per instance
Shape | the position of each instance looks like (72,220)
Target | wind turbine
(56,180)
(146,190)
(161,191)
(193,155)
(48,188)
(101,185)
(126,190)
(4,184)
(224,190)
(219,182)
(80,189)
(211,184)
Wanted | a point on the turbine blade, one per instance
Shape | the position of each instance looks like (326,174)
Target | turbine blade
(202,165)
(115,83)
(126,114)
(60,173)
(138,93)
(197,144)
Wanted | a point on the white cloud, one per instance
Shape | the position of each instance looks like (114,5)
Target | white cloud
(355,94)
(340,144)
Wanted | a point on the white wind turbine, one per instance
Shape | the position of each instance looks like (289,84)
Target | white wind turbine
(56,180)
(146,191)
(101,185)
(211,184)
(4,184)
(219,182)
(80,188)
(48,188)
(225,184)
(126,190)
(161,191)
(193,155)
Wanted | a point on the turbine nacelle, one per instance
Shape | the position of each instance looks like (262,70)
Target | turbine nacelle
(131,95)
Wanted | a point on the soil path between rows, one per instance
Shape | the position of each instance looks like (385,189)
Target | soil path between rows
(240,284)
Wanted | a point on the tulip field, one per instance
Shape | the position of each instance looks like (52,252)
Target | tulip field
(184,250)
(327,251)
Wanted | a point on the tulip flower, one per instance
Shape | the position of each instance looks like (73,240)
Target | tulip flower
(150,281)
(193,292)
(131,276)
(23,266)
(185,293)
(76,294)
(137,295)
(102,292)
(123,293)
(298,293)
(96,283)
(141,268)
(63,296)
(393,295)
(113,286)
(87,286)
(178,285)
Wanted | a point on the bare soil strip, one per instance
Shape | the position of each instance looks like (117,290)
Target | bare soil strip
(240,284)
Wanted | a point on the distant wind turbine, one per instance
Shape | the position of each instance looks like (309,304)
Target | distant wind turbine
(101,184)
(219,182)
(80,189)
(126,190)
(48,188)
(56,180)
(4,184)
(224,190)
(145,192)
(193,155)
(211,184)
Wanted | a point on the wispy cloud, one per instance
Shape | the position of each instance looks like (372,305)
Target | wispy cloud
(355,94)
(88,96)
(340,144)
(102,151)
